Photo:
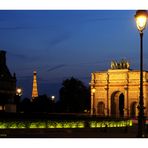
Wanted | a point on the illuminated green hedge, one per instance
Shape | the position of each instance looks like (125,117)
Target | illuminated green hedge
(96,124)
(62,124)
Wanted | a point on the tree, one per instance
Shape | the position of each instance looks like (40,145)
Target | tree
(74,96)
(42,104)
(25,105)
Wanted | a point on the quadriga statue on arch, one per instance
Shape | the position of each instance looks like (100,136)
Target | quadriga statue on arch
(123,64)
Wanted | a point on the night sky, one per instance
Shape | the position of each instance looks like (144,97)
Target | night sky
(62,44)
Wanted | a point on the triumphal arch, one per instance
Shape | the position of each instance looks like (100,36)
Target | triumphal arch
(115,92)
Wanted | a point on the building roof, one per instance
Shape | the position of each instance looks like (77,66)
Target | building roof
(4,71)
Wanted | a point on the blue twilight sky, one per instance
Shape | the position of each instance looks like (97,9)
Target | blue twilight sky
(61,44)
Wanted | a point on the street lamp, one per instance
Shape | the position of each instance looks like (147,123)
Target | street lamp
(141,22)
(53,98)
(93,91)
(19,91)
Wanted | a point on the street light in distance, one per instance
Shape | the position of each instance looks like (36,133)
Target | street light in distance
(19,91)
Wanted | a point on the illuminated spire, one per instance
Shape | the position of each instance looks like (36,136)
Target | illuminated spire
(34,88)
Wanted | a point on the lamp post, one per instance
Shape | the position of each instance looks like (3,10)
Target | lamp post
(52,103)
(53,98)
(141,21)
(18,97)
(93,91)
(19,91)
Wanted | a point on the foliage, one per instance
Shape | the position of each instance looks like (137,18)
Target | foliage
(74,96)
(42,104)
(39,104)
(25,105)
(63,124)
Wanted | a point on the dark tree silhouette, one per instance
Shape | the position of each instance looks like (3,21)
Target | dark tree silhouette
(25,105)
(17,100)
(42,104)
(74,96)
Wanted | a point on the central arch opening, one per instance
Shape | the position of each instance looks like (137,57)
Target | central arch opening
(121,105)
(117,104)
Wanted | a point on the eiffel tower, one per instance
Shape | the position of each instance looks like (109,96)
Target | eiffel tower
(34,87)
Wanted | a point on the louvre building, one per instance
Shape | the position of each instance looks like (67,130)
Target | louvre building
(7,85)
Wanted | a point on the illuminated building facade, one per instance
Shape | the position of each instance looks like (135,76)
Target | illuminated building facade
(34,87)
(7,84)
(117,91)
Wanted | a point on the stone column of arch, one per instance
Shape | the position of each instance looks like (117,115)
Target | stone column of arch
(107,102)
(107,95)
(116,97)
(126,104)
(95,105)
(93,83)
(92,102)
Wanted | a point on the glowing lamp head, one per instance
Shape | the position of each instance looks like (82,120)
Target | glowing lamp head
(52,98)
(19,91)
(93,90)
(141,19)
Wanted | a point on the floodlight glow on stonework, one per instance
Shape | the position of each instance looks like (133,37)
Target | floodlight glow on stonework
(93,90)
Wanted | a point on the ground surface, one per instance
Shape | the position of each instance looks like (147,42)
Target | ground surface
(130,132)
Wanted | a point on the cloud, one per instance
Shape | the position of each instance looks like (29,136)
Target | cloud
(30,78)
(71,65)
(57,67)
(16,55)
(25,77)
(27,57)
(60,39)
